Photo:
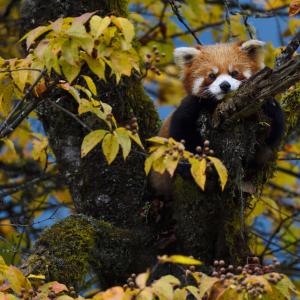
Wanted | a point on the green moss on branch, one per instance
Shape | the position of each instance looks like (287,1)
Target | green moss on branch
(67,252)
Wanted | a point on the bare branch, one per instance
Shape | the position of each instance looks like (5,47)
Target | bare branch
(181,20)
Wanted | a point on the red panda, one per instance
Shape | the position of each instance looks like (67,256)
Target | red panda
(208,74)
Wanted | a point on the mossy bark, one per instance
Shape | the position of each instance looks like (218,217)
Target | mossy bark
(79,246)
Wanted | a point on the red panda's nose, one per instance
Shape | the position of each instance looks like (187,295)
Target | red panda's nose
(225,86)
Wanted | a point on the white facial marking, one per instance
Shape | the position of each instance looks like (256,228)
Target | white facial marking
(262,65)
(215,70)
(247,73)
(215,88)
(184,55)
(230,68)
(196,86)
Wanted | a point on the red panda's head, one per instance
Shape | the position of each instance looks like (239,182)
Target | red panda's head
(216,70)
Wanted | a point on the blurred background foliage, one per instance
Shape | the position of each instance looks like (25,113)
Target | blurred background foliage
(32,194)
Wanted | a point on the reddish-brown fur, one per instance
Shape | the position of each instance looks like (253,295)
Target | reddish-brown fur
(221,56)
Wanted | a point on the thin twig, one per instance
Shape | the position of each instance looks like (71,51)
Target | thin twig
(182,21)
(70,114)
(5,123)
(227,17)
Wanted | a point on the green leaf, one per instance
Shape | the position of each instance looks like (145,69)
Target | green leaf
(90,83)
(124,140)
(221,170)
(91,140)
(110,147)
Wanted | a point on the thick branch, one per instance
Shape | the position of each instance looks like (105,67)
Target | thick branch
(253,93)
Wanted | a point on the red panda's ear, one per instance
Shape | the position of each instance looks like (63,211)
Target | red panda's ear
(185,55)
(252,47)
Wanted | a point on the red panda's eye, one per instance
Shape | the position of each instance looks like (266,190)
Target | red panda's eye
(212,76)
(234,74)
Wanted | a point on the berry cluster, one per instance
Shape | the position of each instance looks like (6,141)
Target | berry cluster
(230,275)
(130,282)
(153,59)
(36,293)
(174,150)
(133,125)
(203,152)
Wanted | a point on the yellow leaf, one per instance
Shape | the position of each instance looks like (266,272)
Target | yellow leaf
(194,291)
(170,279)
(158,140)
(171,163)
(39,149)
(124,140)
(91,85)
(198,169)
(221,170)
(3,266)
(64,297)
(5,296)
(145,294)
(34,34)
(136,139)
(163,290)
(120,63)
(9,144)
(40,277)
(70,89)
(141,279)
(70,71)
(84,90)
(148,164)
(179,259)
(17,280)
(91,140)
(110,147)
(69,51)
(98,25)
(115,293)
(125,26)
(207,283)
(159,165)
(294,8)
(180,294)
(81,20)
(97,66)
